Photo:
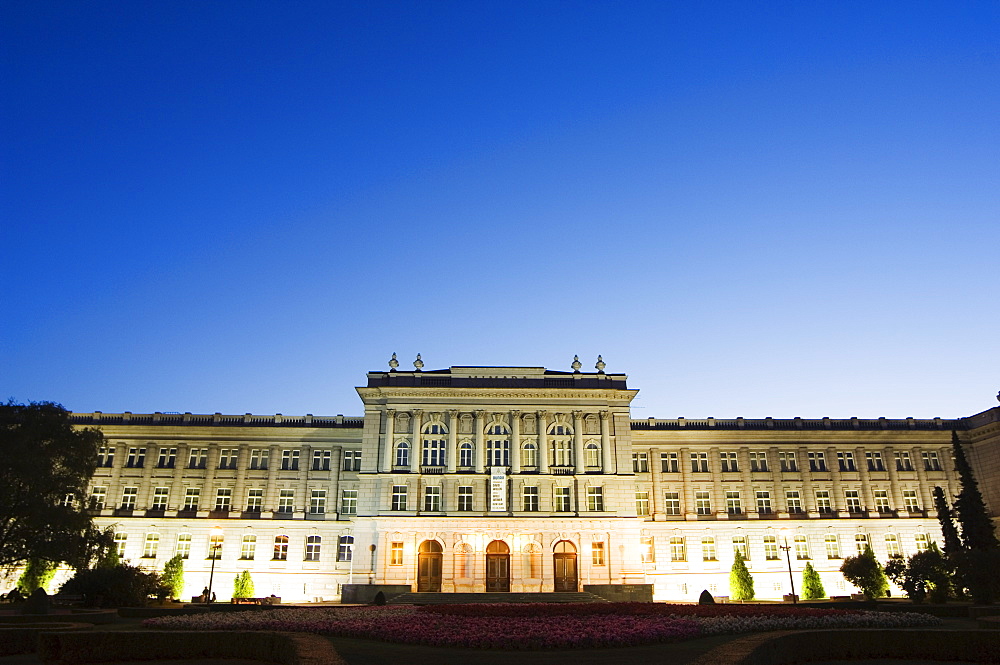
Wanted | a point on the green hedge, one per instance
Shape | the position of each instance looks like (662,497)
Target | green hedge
(23,638)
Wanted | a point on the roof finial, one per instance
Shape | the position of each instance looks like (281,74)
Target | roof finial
(393,363)
(418,363)
(576,364)
(600,365)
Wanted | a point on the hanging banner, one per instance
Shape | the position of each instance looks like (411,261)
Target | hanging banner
(498,488)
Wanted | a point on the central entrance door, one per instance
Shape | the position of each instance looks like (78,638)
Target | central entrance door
(565,564)
(497,566)
(429,566)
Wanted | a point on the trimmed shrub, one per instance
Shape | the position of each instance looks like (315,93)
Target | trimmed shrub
(740,579)
(812,585)
(123,585)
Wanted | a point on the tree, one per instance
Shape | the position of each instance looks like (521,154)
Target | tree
(977,529)
(37,574)
(952,542)
(172,577)
(243,585)
(923,573)
(864,572)
(119,586)
(812,585)
(740,579)
(43,461)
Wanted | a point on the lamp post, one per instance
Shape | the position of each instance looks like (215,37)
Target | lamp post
(350,555)
(788,558)
(213,551)
(371,568)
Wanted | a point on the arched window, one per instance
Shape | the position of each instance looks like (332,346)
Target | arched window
(313,544)
(529,455)
(403,454)
(465,454)
(561,444)
(497,446)
(434,444)
(592,455)
(280,548)
(345,548)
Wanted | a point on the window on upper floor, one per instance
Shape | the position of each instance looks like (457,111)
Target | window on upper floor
(434,444)
(403,455)
(672,503)
(763,502)
(592,455)
(702,503)
(817,461)
(191,497)
(160,496)
(223,499)
(167,458)
(642,504)
(823,503)
(120,540)
(497,446)
(910,501)
(529,455)
(286,501)
(183,549)
(562,499)
(788,461)
(229,458)
(595,499)
(255,500)
(129,495)
(321,460)
(197,458)
(931,461)
(845,461)
(923,541)
(729,463)
(106,456)
(290,460)
(860,542)
(465,456)
(399,493)
(529,498)
(734,504)
(758,462)
(465,498)
(853,501)
(352,460)
(561,444)
(432,499)
(668,463)
(793,502)
(699,462)
(881,501)
(258,459)
(874,461)
(136,458)
(317,502)
(349,502)
(903,462)
(640,462)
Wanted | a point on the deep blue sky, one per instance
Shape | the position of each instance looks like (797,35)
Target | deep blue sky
(751,208)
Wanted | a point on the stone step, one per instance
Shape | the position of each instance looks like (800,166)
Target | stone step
(424,598)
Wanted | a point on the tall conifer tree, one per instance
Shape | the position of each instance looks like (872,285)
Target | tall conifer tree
(977,528)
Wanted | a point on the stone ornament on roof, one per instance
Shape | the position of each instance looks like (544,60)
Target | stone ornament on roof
(600,365)
(393,363)
(576,364)
(418,363)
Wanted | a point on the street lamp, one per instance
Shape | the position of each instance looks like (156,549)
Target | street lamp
(215,544)
(350,555)
(371,568)
(788,558)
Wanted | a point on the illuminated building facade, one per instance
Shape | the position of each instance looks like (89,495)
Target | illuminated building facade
(522,479)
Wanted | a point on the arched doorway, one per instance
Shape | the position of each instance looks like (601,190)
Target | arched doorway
(564,555)
(429,566)
(497,566)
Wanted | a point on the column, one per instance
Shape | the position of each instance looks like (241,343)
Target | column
(515,442)
(385,459)
(273,464)
(416,444)
(606,443)
(480,441)
(451,454)
(304,489)
(176,499)
(581,463)
(543,442)
(239,492)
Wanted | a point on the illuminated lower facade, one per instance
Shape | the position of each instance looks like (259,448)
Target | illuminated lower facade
(521,479)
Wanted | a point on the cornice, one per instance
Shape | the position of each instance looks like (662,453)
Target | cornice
(539,395)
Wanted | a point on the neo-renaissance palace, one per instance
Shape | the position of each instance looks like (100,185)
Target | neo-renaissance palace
(521,479)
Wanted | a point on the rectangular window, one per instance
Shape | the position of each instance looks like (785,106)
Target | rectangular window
(892,545)
(321,460)
(151,545)
(793,502)
(642,503)
(734,504)
(668,462)
(258,459)
(931,461)
(740,545)
(597,554)
(432,499)
(317,502)
(562,499)
(853,501)
(817,461)
(223,499)
(529,499)
(770,548)
(129,495)
(313,544)
(823,504)
(106,456)
(348,502)
(98,497)
(763,503)
(758,461)
(648,550)
(923,542)
(120,540)
(702,503)
(248,547)
(167,458)
(832,543)
(910,501)
(229,458)
(215,545)
(465,498)
(183,545)
(286,501)
(882,501)
(290,460)
(399,497)
(672,503)
(903,462)
(136,458)
(845,461)
(640,462)
(699,462)
(160,495)
(874,460)
(197,458)
(345,548)
(860,542)
(708,548)
(352,460)
(255,500)
(801,547)
(788,461)
(677,550)
(595,499)
(396,554)
(280,548)
(729,463)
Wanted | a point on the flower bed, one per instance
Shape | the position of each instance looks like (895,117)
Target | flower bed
(540,626)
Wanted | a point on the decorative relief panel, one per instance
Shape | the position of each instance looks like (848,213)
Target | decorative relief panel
(591,425)
(529,425)
(403,423)
(465,423)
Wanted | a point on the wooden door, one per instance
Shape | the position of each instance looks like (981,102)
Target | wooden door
(429,566)
(497,567)
(565,567)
